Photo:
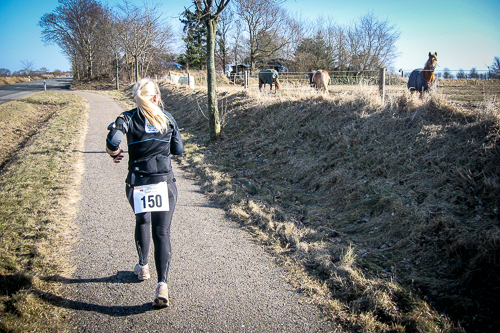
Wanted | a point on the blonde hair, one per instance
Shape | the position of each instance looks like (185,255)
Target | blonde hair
(144,91)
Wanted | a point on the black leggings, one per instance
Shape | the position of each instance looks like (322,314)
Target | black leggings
(159,222)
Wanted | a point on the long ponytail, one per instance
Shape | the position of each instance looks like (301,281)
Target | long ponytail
(144,92)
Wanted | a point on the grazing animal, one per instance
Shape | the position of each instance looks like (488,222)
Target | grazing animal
(320,78)
(423,79)
(269,76)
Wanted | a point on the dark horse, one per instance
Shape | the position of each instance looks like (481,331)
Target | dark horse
(320,78)
(269,76)
(423,80)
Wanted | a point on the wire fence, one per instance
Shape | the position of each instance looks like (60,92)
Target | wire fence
(371,77)
(458,74)
(381,82)
(301,79)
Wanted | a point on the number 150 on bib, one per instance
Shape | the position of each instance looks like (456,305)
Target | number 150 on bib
(151,198)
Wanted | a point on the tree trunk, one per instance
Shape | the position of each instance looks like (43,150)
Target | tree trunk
(117,73)
(136,58)
(213,109)
(90,67)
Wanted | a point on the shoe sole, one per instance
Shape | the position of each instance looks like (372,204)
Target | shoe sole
(142,278)
(160,303)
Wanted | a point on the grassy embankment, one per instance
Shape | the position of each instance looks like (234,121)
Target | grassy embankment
(386,215)
(41,140)
(18,79)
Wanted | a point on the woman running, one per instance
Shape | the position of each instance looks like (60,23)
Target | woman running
(152,136)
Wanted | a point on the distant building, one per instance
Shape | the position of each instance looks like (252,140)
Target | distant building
(235,69)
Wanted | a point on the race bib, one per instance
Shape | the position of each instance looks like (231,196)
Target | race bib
(151,198)
(148,128)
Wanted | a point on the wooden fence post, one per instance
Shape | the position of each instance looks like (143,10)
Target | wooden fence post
(381,83)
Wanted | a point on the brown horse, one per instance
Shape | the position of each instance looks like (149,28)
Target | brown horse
(320,78)
(423,80)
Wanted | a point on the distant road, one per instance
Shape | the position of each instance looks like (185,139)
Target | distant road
(15,91)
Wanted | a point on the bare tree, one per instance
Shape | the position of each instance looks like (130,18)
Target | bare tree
(266,25)
(75,25)
(336,45)
(447,74)
(5,72)
(372,43)
(461,74)
(143,32)
(293,34)
(322,45)
(114,29)
(209,12)
(27,66)
(222,40)
(340,48)
(237,46)
(473,74)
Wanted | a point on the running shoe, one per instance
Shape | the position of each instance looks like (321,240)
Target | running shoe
(142,272)
(161,298)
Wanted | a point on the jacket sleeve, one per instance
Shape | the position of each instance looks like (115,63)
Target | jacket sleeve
(176,146)
(117,131)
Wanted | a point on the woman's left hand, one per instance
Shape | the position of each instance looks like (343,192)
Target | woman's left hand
(118,158)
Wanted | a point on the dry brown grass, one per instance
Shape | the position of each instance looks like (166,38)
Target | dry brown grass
(387,212)
(17,79)
(38,192)
(19,121)
(464,93)
(469,93)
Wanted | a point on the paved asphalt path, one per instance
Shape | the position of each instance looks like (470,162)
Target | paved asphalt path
(220,280)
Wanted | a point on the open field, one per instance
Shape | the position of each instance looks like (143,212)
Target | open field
(470,93)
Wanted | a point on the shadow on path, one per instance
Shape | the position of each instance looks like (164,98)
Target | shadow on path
(11,284)
(120,277)
(115,311)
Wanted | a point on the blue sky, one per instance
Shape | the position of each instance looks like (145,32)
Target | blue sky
(465,34)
